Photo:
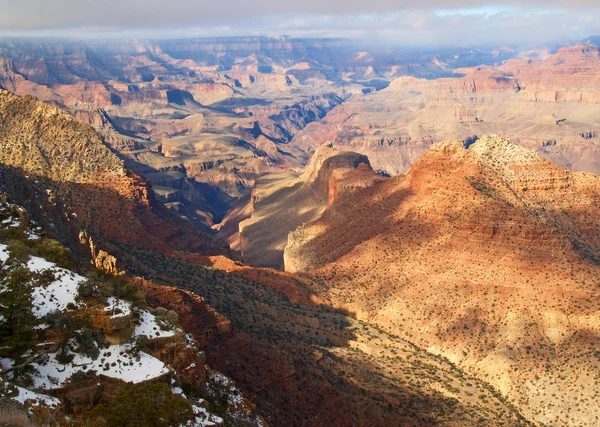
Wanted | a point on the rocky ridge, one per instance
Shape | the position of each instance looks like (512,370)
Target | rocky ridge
(62,171)
(487,255)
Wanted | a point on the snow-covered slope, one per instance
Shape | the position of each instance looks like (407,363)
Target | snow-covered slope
(100,336)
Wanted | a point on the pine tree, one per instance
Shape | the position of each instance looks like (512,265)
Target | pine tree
(17,321)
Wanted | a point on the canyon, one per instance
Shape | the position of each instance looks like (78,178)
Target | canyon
(280,203)
(203,119)
(272,349)
(547,105)
(351,236)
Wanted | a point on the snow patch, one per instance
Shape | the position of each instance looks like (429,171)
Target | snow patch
(6,363)
(150,326)
(35,399)
(58,294)
(203,418)
(115,362)
(4,254)
(10,222)
(118,307)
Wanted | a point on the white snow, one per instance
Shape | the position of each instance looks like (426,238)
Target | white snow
(115,362)
(119,307)
(220,379)
(39,264)
(10,222)
(4,254)
(6,363)
(191,341)
(36,399)
(32,236)
(58,294)
(234,395)
(203,418)
(150,326)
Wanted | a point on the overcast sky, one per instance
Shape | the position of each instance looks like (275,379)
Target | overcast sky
(422,22)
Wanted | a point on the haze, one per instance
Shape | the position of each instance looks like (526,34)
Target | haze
(428,23)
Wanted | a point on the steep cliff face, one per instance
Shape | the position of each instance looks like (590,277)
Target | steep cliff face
(9,78)
(289,120)
(62,170)
(487,255)
(219,130)
(280,203)
(334,174)
(225,108)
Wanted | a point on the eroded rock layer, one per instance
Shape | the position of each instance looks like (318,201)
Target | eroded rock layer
(281,203)
(548,105)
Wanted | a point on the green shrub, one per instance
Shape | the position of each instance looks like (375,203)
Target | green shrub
(19,251)
(13,234)
(81,376)
(150,405)
(53,251)
(89,343)
(101,285)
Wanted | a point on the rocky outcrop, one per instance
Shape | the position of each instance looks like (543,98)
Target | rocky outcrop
(82,396)
(486,255)
(195,315)
(280,205)
(109,321)
(100,259)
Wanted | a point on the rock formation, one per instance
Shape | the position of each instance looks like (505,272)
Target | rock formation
(274,350)
(202,119)
(449,296)
(487,255)
(281,203)
(545,105)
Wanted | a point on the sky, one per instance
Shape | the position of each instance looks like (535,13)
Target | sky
(401,22)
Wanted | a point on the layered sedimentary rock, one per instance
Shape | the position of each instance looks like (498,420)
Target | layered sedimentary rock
(549,106)
(487,255)
(281,203)
(204,118)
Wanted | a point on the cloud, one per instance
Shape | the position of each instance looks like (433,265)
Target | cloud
(393,21)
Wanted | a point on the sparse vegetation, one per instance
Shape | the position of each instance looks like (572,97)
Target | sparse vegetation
(149,405)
